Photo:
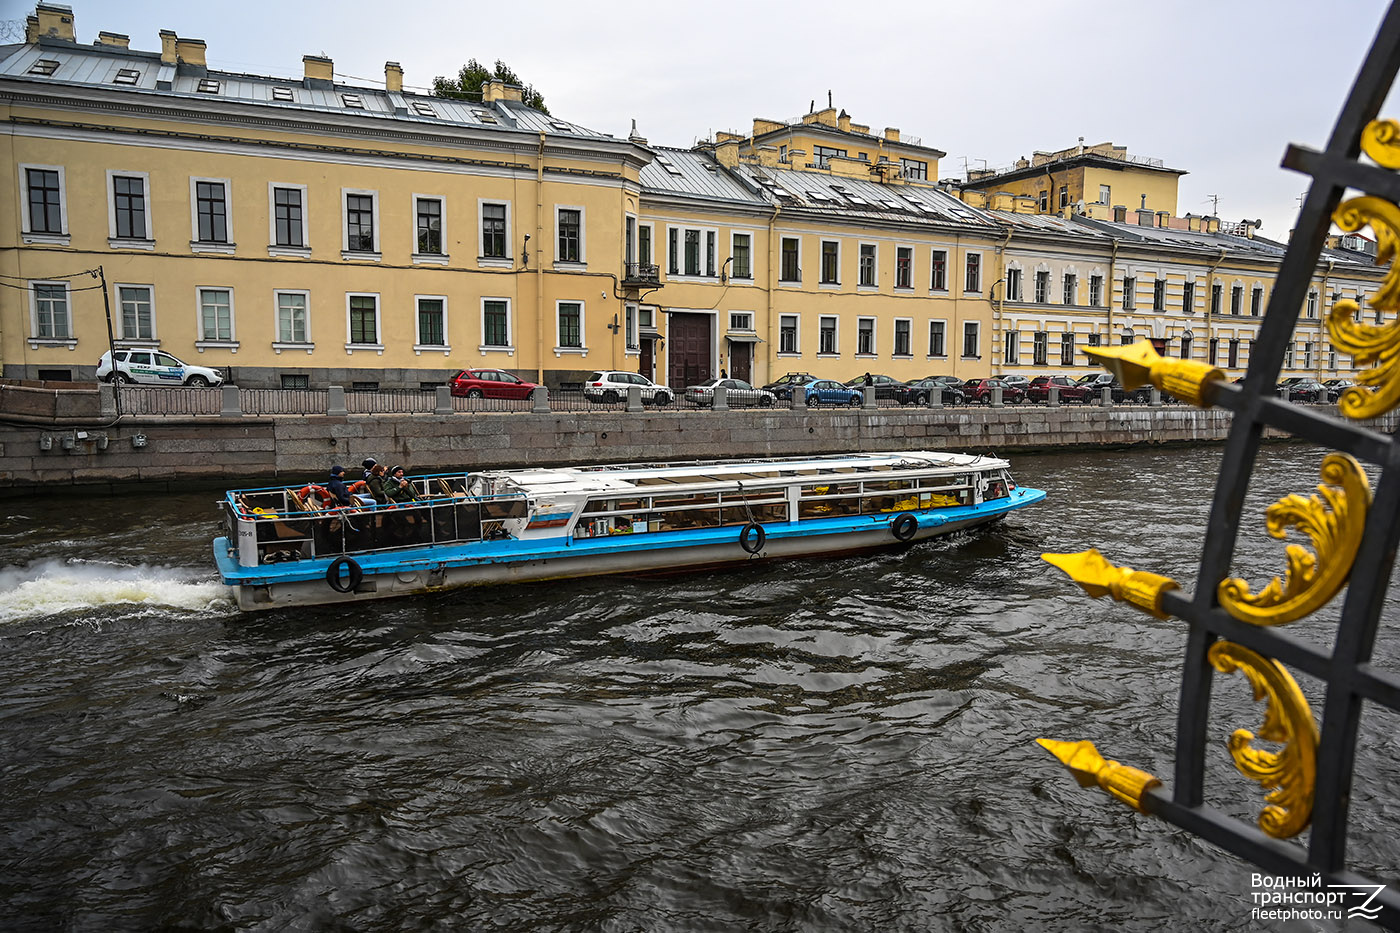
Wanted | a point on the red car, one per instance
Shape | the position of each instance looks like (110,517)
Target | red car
(980,390)
(490,383)
(1070,391)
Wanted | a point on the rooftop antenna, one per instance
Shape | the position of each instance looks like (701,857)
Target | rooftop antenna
(1214,200)
(812,107)
(828,99)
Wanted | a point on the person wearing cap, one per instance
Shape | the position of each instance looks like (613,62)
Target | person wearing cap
(368,463)
(336,486)
(398,487)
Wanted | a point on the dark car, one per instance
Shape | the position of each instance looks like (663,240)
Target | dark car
(1304,390)
(980,390)
(1070,391)
(782,387)
(830,392)
(919,391)
(884,385)
(1093,384)
(490,383)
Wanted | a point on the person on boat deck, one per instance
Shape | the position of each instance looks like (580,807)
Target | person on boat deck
(376,481)
(336,486)
(368,463)
(398,487)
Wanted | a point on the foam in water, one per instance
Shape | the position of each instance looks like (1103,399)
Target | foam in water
(53,587)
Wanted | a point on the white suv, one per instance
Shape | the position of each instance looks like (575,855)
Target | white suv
(152,367)
(611,386)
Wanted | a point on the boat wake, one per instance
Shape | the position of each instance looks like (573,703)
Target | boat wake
(56,587)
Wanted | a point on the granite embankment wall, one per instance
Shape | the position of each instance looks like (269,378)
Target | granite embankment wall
(153,452)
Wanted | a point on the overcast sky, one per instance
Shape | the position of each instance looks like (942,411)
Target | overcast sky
(1216,88)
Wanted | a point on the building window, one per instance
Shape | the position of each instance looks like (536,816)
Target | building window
(296,381)
(787,333)
(495,238)
(1159,295)
(904,267)
(495,322)
(644,244)
(282,93)
(428,214)
(630,322)
(211,211)
(938,280)
(52,320)
(287,221)
(901,336)
(1040,348)
(1288,355)
(216,314)
(1129,292)
(824,154)
(1307,355)
(1188,297)
(1071,289)
(865,336)
(1186,346)
(937,334)
(1212,350)
(867,264)
(710,252)
(129,216)
(1233,360)
(686,256)
(791,271)
(1013,284)
(913,169)
(570,325)
(1127,337)
(360,235)
(973,280)
(692,252)
(970,349)
(827,335)
(1093,340)
(1236,300)
(1064,195)
(1256,302)
(740,320)
(137,320)
(831,263)
(291,317)
(432,321)
(127,76)
(1043,202)
(1312,304)
(1215,292)
(364,320)
(1013,348)
(1067,349)
(570,226)
(741,248)
(1042,287)
(45,200)
(1096,291)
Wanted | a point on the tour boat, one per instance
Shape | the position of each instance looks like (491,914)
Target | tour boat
(285,547)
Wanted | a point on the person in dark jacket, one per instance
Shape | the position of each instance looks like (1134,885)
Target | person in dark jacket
(336,486)
(376,481)
(398,487)
(368,464)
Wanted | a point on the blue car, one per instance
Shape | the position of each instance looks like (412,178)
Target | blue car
(830,392)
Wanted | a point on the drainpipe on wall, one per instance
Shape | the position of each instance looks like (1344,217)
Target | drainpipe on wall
(997,329)
(773,329)
(539,264)
(1112,270)
(1321,314)
(1210,305)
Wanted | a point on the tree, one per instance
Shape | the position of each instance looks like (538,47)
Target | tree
(467,84)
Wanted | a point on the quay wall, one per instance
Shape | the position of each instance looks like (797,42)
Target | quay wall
(157,452)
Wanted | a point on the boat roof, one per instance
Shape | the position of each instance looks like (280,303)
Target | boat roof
(651,477)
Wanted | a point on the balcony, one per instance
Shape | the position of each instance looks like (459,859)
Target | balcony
(641,274)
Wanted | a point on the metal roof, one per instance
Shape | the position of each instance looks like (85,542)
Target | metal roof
(695,174)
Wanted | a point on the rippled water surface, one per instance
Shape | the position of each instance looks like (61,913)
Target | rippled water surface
(843,744)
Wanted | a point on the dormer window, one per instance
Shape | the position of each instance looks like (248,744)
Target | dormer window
(207,86)
(485,116)
(352,101)
(44,66)
(127,76)
(424,109)
(561,126)
(282,93)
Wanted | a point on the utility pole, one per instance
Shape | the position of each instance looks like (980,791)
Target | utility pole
(111,342)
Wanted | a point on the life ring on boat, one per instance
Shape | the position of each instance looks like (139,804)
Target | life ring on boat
(752,537)
(904,527)
(351,581)
(326,497)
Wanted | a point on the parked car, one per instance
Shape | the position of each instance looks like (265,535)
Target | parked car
(918,392)
(611,386)
(737,392)
(155,367)
(782,388)
(980,390)
(490,383)
(1070,391)
(1337,386)
(884,385)
(830,392)
(1093,384)
(1304,390)
(1020,382)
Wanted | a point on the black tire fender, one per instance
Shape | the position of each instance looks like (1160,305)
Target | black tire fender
(753,537)
(904,527)
(348,583)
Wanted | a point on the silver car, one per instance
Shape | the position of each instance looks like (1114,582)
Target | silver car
(611,385)
(737,393)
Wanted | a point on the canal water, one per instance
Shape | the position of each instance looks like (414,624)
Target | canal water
(843,744)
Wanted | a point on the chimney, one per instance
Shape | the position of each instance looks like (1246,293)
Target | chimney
(167,46)
(319,72)
(768,156)
(727,152)
(843,122)
(1146,218)
(1164,218)
(189,53)
(796,155)
(1002,201)
(1193,223)
(114,40)
(1120,214)
(1212,225)
(891,134)
(640,140)
(55,22)
(496,89)
(31,29)
(393,77)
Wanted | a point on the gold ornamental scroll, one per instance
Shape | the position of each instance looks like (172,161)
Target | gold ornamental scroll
(1374,347)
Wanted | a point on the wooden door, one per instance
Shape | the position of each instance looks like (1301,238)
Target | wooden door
(741,361)
(689,345)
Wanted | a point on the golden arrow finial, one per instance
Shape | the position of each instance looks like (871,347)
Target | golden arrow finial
(1097,577)
(1089,768)
(1139,365)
